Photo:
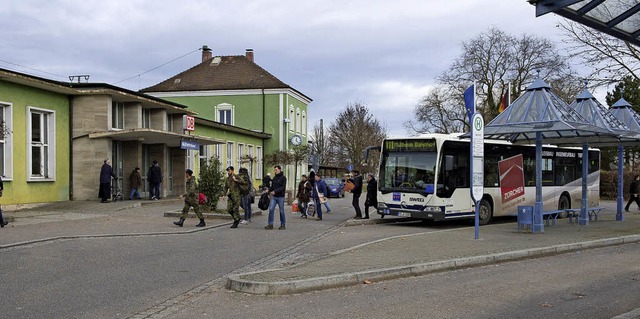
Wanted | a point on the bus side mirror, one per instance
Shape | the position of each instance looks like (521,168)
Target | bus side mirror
(429,189)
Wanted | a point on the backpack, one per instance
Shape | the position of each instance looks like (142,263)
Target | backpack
(244,188)
(202,198)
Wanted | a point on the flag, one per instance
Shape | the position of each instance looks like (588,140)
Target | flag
(469,100)
(503,102)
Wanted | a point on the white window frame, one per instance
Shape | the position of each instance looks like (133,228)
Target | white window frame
(229,154)
(250,153)
(204,154)
(117,113)
(304,123)
(47,148)
(259,161)
(6,112)
(225,107)
(298,121)
(217,151)
(240,153)
(292,117)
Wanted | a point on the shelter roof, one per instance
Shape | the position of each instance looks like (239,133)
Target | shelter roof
(540,110)
(620,19)
(623,111)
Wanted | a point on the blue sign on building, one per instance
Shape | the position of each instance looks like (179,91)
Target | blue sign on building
(189,145)
(350,167)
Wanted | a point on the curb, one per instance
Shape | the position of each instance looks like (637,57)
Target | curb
(237,283)
(60,238)
(633,314)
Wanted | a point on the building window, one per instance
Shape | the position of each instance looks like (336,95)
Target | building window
(259,162)
(250,154)
(41,150)
(117,115)
(169,123)
(146,118)
(217,151)
(6,144)
(204,155)
(229,154)
(304,123)
(292,117)
(224,114)
(241,154)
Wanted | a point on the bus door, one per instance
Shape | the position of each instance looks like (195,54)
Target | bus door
(453,178)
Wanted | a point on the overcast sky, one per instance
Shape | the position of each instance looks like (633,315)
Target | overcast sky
(385,54)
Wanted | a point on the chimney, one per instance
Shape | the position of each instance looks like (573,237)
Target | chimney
(206,53)
(249,55)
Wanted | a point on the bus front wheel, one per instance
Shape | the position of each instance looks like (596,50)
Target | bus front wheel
(485,212)
(564,203)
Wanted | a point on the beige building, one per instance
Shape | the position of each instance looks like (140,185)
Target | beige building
(132,130)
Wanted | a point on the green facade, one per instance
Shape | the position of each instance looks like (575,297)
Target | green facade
(19,188)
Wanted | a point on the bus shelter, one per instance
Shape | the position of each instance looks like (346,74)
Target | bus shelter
(537,115)
(596,113)
(623,111)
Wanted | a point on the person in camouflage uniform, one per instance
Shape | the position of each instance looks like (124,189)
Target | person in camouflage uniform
(191,200)
(232,189)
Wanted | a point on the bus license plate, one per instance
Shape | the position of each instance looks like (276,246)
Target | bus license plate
(403,214)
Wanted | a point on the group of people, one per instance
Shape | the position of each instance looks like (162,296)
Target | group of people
(316,189)
(154,177)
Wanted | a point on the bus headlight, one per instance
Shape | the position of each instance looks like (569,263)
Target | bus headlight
(432,209)
(382,205)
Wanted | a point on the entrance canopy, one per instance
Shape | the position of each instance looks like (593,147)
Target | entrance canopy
(150,136)
(620,19)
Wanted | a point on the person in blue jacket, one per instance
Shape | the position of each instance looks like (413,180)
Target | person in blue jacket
(320,188)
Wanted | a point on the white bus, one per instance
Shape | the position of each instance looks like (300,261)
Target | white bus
(427,177)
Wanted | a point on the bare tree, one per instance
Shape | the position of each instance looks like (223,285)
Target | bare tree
(321,143)
(438,113)
(354,130)
(493,60)
(609,58)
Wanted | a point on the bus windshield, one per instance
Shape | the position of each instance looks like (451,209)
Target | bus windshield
(407,171)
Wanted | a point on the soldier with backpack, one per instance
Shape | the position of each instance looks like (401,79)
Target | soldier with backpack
(234,186)
(247,193)
(190,200)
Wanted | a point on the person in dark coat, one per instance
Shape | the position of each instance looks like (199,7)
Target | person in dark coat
(154,176)
(135,180)
(320,194)
(106,172)
(303,195)
(372,195)
(266,181)
(277,191)
(633,193)
(356,179)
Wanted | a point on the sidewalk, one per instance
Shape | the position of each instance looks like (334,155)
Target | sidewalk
(422,253)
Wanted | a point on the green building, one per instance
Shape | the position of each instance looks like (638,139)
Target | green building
(261,113)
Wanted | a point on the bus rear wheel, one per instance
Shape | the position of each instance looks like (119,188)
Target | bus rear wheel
(485,212)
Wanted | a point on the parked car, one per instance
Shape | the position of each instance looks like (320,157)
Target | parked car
(336,187)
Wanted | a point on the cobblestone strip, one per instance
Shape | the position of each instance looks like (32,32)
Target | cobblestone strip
(285,255)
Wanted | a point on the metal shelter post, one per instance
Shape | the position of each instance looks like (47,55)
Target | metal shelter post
(620,201)
(584,217)
(538,224)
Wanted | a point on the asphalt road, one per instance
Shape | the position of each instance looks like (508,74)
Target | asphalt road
(599,283)
(182,276)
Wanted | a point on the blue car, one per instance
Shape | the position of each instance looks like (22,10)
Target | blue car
(336,187)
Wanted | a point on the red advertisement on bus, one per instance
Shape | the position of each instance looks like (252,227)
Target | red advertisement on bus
(512,180)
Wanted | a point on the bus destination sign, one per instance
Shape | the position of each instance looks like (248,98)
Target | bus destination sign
(410,145)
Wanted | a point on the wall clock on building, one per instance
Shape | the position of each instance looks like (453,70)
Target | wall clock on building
(296,140)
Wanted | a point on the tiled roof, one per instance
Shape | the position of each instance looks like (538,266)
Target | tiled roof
(234,72)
